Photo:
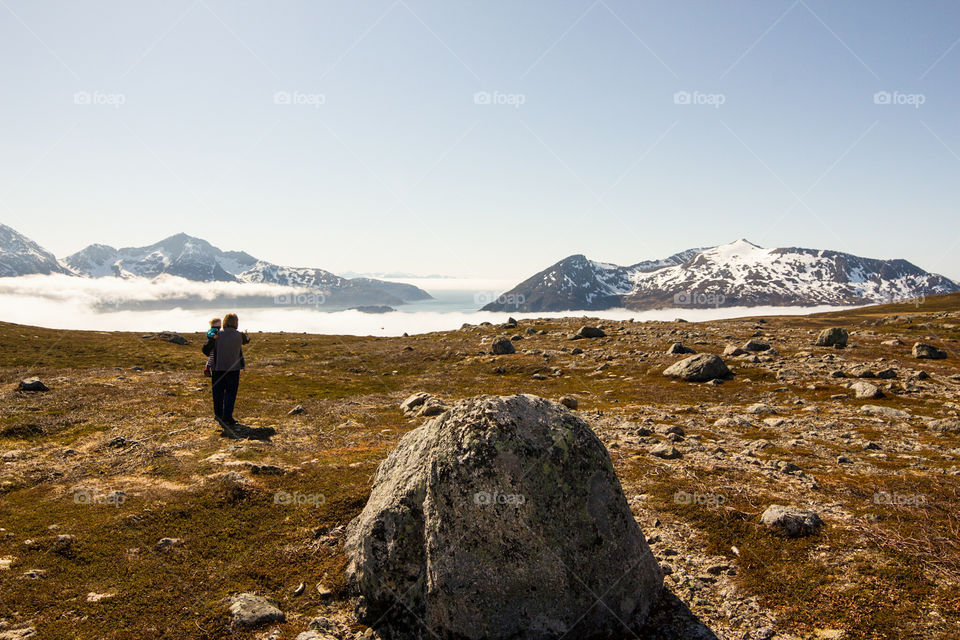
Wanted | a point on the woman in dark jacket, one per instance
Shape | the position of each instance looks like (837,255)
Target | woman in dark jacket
(226,362)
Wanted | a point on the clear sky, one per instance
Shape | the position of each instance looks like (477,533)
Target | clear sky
(351,135)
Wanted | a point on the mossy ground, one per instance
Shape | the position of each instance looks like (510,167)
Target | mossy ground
(899,562)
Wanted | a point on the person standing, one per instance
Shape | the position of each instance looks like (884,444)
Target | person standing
(226,363)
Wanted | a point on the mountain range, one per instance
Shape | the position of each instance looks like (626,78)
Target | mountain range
(197,260)
(736,274)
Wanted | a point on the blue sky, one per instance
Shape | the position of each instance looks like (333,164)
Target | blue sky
(483,138)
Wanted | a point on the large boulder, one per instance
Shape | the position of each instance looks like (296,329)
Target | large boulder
(502,346)
(925,351)
(700,368)
(503,518)
(832,337)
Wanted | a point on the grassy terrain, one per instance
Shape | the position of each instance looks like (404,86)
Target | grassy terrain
(877,571)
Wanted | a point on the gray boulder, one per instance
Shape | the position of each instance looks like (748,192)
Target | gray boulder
(792,523)
(249,610)
(503,518)
(832,337)
(756,345)
(865,390)
(590,332)
(700,368)
(167,336)
(678,348)
(925,351)
(502,346)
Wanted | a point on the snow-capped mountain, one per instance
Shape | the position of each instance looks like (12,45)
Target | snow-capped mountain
(21,256)
(179,255)
(198,260)
(735,274)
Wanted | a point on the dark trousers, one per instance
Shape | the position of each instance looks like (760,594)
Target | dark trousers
(225,386)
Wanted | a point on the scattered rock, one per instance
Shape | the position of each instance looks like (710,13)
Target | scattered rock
(249,610)
(505,493)
(886,412)
(866,390)
(700,368)
(167,336)
(792,523)
(297,410)
(665,452)
(414,402)
(756,345)
(925,351)
(833,337)
(590,332)
(32,384)
(502,346)
(166,543)
(732,351)
(678,348)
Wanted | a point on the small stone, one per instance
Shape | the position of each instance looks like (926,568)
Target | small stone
(297,410)
(569,402)
(792,523)
(665,452)
(32,384)
(166,543)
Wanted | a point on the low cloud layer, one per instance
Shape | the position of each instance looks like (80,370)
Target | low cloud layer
(176,304)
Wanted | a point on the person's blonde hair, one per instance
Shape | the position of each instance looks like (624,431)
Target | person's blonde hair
(231,321)
(214,321)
